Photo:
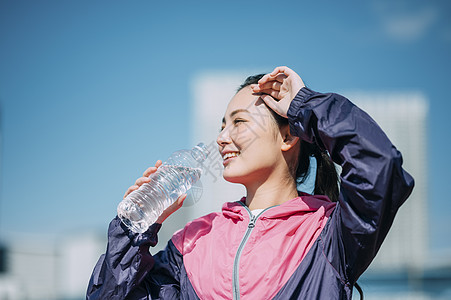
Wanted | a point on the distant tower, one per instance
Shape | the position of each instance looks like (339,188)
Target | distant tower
(401,115)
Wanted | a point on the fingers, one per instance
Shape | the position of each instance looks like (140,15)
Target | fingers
(139,182)
(284,70)
(152,169)
(149,171)
(144,179)
(158,163)
(279,74)
(171,209)
(278,106)
(270,77)
(175,206)
(270,82)
(268,85)
(269,100)
(271,87)
(131,189)
(274,94)
(180,200)
(281,84)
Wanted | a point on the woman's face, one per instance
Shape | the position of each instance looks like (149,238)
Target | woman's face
(249,142)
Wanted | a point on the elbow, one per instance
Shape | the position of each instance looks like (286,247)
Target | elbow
(402,180)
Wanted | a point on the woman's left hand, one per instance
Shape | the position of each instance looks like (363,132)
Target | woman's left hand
(279,88)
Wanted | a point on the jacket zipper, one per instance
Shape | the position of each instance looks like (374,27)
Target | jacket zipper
(236,262)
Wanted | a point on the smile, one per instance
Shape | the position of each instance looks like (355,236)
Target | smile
(230,155)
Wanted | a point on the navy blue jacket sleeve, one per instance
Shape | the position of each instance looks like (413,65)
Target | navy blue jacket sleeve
(373,182)
(128,271)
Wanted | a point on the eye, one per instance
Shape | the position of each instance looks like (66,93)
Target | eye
(222,127)
(237,121)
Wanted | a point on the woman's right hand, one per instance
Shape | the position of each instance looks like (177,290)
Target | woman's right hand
(279,88)
(145,179)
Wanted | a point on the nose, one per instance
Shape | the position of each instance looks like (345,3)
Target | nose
(224,137)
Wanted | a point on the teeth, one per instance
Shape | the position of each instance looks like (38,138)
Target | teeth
(231,154)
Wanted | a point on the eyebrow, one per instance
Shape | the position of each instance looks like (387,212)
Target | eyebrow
(235,112)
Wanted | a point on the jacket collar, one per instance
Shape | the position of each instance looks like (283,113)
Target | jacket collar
(305,203)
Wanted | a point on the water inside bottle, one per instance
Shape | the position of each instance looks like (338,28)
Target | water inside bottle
(142,207)
(132,216)
(181,180)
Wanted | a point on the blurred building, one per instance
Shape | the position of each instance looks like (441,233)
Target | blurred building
(49,268)
(403,256)
(403,117)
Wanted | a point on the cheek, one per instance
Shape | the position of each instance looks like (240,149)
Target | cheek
(244,135)
(263,150)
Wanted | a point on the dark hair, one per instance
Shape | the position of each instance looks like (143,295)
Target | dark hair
(326,182)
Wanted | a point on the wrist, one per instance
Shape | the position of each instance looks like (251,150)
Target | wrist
(296,90)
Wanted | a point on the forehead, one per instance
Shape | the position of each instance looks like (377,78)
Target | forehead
(245,100)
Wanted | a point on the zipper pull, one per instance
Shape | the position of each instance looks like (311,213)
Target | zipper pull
(252,222)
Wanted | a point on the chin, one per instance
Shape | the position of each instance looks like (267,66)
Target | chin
(247,176)
(233,178)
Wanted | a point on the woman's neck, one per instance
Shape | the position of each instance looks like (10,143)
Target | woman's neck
(270,193)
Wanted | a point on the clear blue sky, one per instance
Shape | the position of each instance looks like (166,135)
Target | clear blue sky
(92,92)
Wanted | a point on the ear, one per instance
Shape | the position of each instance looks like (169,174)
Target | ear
(289,140)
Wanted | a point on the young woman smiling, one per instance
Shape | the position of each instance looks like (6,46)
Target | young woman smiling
(276,242)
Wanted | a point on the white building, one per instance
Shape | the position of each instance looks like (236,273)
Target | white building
(403,117)
(47,268)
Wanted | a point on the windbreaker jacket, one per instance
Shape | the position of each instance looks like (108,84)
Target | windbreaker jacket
(306,248)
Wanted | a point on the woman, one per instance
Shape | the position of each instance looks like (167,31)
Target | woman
(275,243)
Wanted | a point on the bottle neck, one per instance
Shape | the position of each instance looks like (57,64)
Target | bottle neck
(200,152)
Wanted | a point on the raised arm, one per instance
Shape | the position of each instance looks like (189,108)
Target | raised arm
(373,182)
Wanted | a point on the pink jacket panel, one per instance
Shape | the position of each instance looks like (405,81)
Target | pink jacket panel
(281,238)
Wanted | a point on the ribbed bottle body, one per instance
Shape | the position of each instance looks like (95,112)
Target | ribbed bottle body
(142,207)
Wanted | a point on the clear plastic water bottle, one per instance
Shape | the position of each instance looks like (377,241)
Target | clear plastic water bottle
(142,207)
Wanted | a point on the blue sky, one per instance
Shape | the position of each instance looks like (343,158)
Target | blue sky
(92,92)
